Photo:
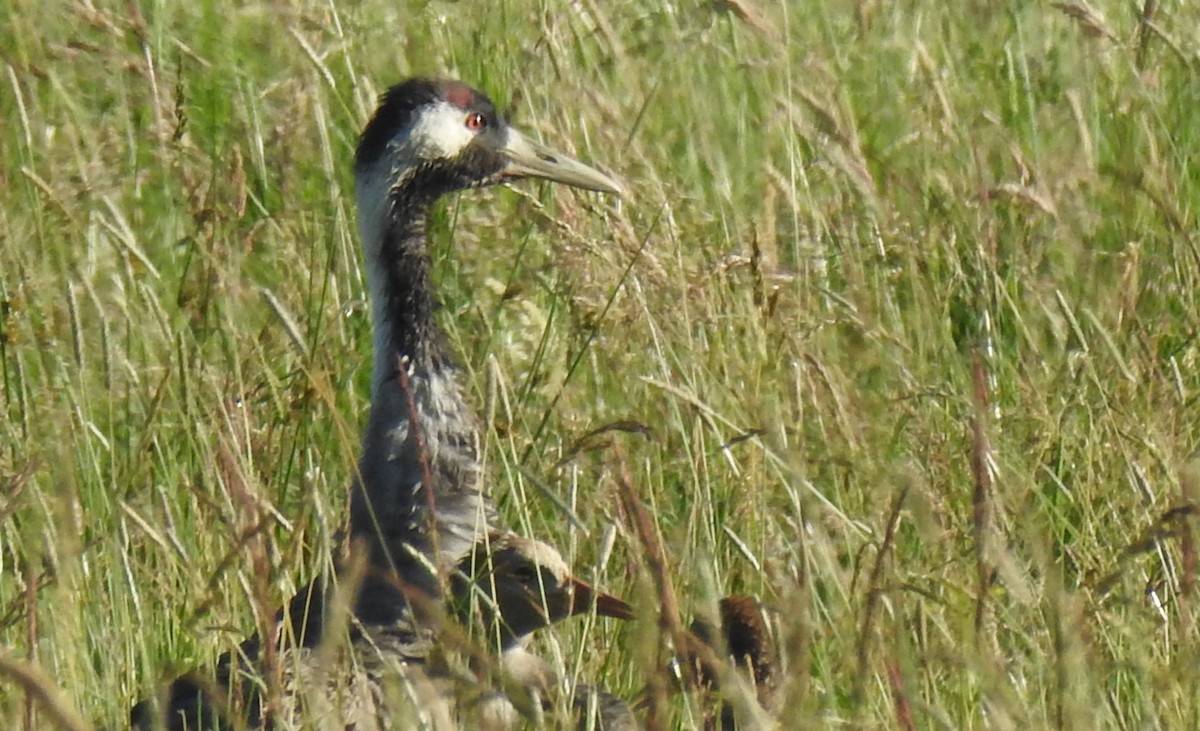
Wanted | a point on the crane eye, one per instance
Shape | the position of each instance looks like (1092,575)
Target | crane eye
(476,121)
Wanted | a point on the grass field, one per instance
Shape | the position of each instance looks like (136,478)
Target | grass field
(898,325)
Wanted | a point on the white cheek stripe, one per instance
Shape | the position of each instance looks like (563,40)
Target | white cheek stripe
(440,131)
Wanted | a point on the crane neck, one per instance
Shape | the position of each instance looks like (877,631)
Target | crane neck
(403,302)
(418,499)
(407,342)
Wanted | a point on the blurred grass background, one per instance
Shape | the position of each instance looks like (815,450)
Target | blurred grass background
(898,327)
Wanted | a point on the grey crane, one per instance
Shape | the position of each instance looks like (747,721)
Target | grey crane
(419,513)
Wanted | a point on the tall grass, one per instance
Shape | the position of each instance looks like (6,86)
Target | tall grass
(899,325)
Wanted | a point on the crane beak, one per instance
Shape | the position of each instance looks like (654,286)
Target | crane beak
(584,597)
(529,159)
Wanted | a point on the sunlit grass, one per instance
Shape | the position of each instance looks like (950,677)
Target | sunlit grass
(899,323)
